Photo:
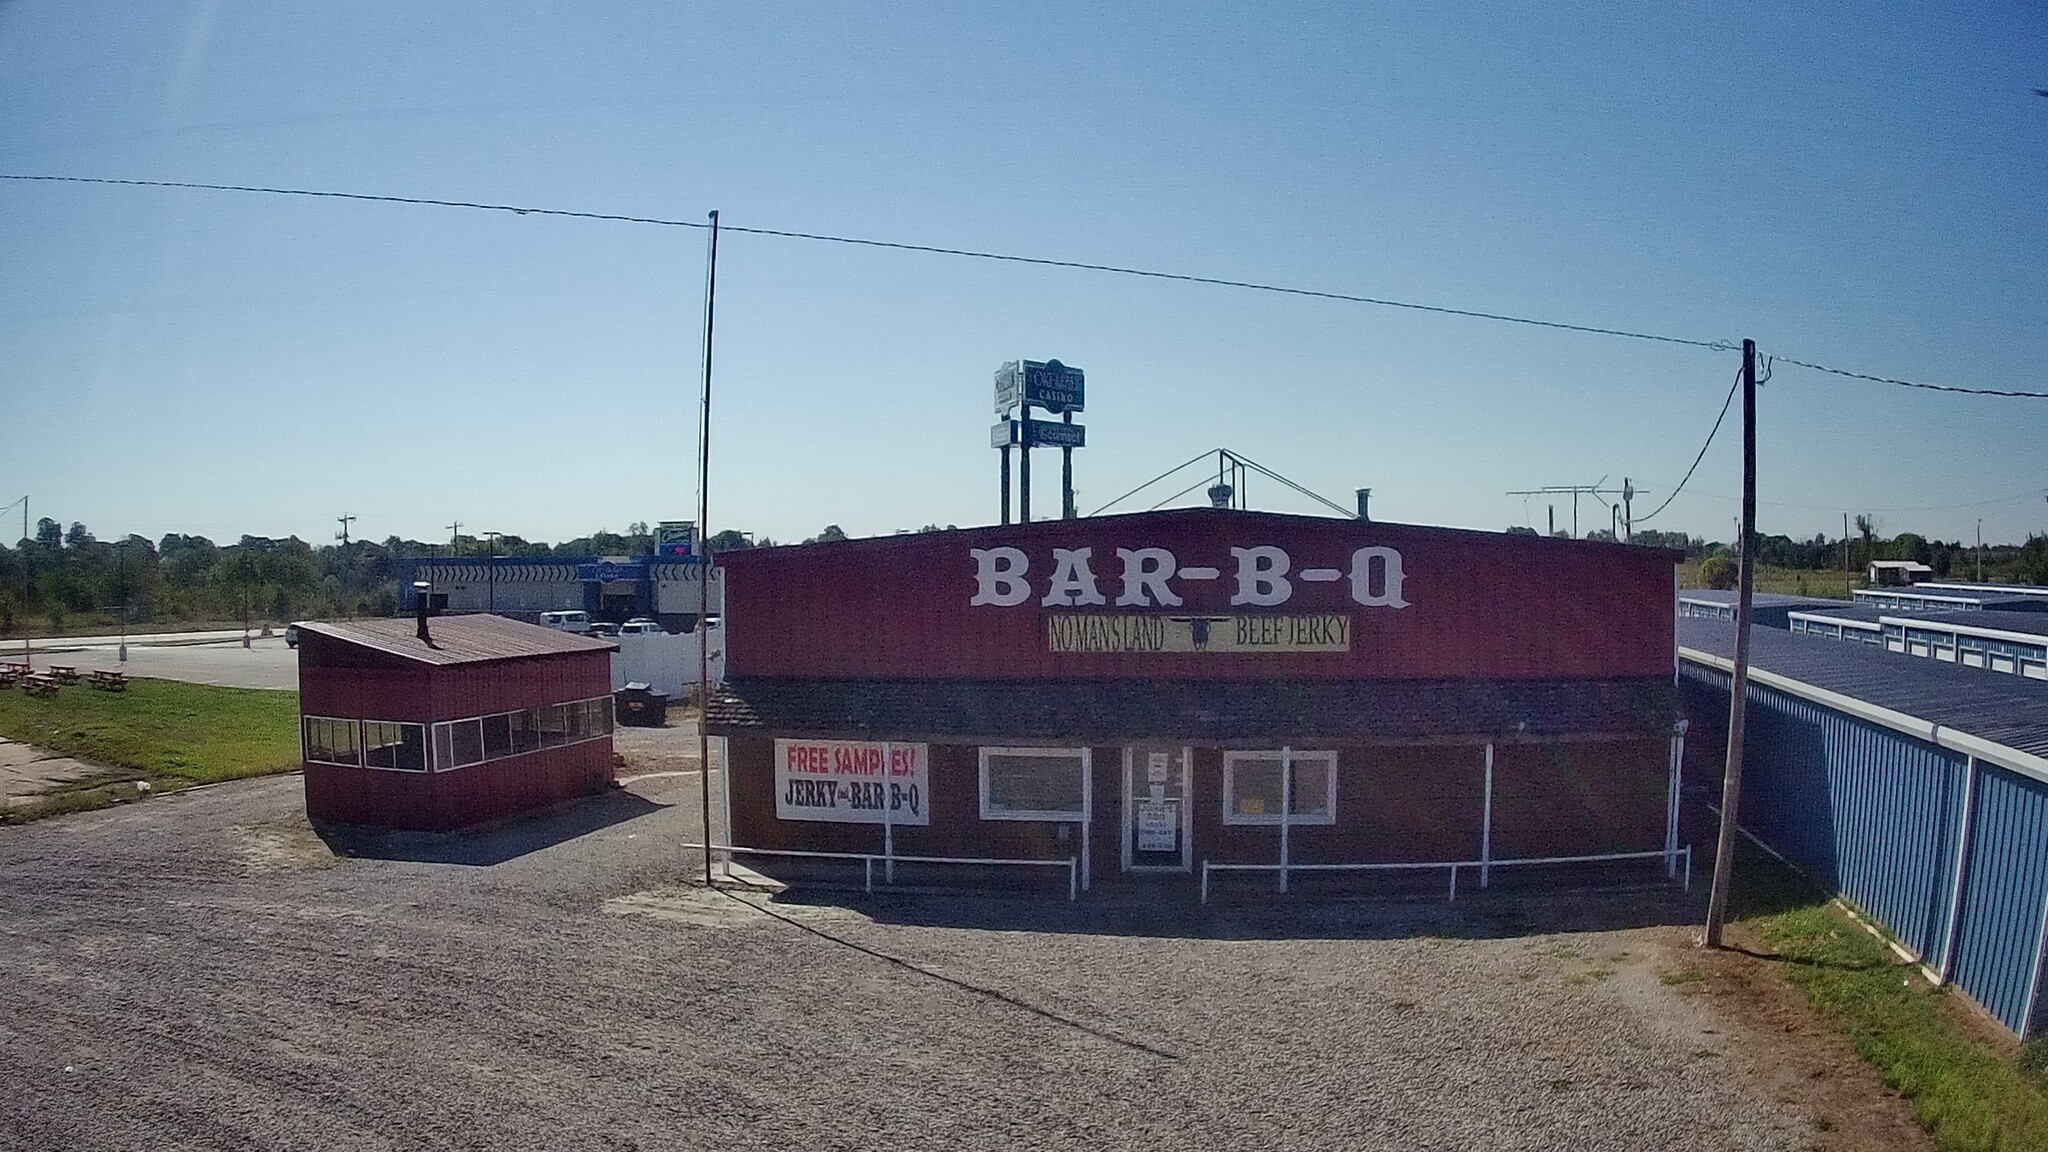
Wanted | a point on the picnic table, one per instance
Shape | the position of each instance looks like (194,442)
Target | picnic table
(109,680)
(37,685)
(8,675)
(17,667)
(64,673)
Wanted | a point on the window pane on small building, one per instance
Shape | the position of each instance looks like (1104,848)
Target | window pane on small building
(497,735)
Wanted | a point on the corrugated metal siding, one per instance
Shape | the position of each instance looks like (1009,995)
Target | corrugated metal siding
(1874,813)
(2003,893)
(1479,605)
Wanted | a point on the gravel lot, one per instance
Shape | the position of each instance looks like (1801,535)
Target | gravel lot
(203,971)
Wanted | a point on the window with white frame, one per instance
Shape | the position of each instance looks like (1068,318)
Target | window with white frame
(331,741)
(458,744)
(1253,787)
(394,745)
(1034,783)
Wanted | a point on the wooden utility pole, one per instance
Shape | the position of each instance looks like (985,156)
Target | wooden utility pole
(1846,591)
(702,547)
(1738,686)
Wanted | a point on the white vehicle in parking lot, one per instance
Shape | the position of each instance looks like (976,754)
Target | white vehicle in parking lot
(566,621)
(640,628)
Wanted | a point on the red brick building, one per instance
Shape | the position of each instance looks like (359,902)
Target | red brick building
(484,717)
(1151,693)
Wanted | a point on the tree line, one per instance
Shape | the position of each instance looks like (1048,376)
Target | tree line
(62,578)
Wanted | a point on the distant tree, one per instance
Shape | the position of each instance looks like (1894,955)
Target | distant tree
(1866,526)
(79,536)
(49,534)
(1718,571)
(730,540)
(637,528)
(2033,568)
(1520,530)
(1910,546)
(832,532)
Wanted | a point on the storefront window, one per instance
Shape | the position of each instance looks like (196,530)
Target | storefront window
(458,744)
(1034,783)
(1252,787)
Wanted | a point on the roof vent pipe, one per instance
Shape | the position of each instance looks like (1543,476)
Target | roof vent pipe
(1364,498)
(1220,494)
(422,600)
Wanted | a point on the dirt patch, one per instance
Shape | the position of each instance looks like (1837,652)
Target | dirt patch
(1766,1033)
(281,848)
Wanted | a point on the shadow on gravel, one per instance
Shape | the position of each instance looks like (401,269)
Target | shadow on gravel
(495,843)
(1495,914)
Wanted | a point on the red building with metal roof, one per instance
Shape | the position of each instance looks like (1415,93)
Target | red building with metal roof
(1205,690)
(444,722)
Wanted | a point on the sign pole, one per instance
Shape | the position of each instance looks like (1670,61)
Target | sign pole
(1006,483)
(1738,684)
(1286,807)
(1067,472)
(1024,466)
(704,563)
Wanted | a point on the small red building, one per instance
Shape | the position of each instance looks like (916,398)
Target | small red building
(1167,694)
(450,721)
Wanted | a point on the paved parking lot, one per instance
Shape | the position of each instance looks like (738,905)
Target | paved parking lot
(198,658)
(204,971)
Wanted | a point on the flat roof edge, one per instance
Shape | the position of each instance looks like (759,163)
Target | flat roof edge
(1955,740)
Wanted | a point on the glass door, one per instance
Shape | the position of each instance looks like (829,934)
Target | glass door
(1157,824)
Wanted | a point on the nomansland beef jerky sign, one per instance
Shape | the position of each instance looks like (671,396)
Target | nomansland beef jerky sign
(1103,632)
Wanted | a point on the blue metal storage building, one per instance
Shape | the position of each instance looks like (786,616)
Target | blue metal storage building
(1916,789)
(1768,608)
(2015,643)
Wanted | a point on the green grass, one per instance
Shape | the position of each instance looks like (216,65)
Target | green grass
(1818,582)
(162,729)
(1969,1095)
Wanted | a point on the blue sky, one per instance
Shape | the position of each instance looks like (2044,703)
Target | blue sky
(1860,187)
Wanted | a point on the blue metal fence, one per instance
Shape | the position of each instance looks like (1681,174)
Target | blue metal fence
(1876,814)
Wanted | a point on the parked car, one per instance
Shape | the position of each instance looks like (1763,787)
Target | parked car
(567,621)
(603,628)
(641,627)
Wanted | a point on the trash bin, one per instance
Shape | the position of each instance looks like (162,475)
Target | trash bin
(640,706)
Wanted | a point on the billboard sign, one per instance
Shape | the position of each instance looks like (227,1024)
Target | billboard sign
(1005,434)
(675,537)
(1009,388)
(1054,386)
(846,782)
(1053,434)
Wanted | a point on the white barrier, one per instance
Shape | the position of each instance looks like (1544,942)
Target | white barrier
(666,662)
(1451,865)
(868,861)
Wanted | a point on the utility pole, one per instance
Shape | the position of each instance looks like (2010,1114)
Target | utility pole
(1067,472)
(455,538)
(1847,592)
(1628,512)
(344,520)
(704,567)
(1980,549)
(1552,530)
(1738,686)
(491,574)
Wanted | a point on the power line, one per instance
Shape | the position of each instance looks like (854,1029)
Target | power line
(1913,383)
(1703,449)
(1037,261)
(929,249)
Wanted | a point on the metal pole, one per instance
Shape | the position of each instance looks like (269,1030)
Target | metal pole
(1955,892)
(1980,549)
(888,817)
(1738,687)
(1846,593)
(1628,512)
(704,557)
(1286,808)
(1024,463)
(1067,475)
(1485,828)
(121,559)
(1005,450)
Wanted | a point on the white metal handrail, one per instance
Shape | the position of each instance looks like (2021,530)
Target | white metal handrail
(868,859)
(1452,865)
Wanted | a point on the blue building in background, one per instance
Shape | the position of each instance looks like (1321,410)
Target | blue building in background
(1917,789)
